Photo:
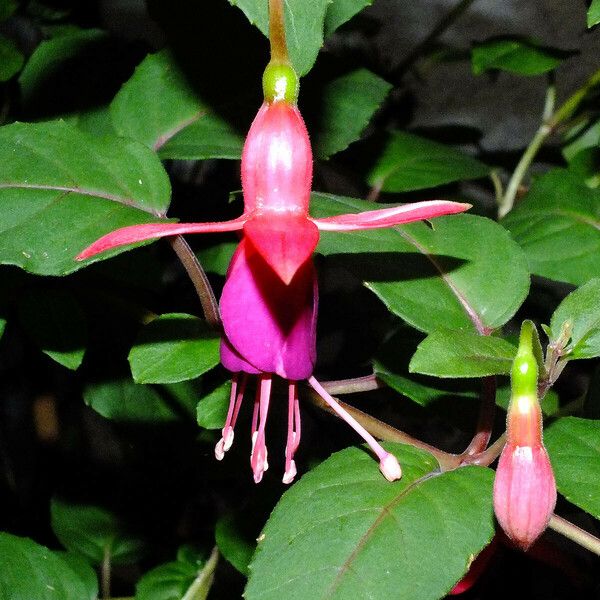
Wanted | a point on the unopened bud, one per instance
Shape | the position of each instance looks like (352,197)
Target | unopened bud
(524,487)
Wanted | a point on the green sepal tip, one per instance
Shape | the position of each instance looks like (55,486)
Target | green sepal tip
(524,375)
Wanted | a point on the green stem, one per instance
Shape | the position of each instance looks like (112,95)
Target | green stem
(279,52)
(203,582)
(105,572)
(575,534)
(545,129)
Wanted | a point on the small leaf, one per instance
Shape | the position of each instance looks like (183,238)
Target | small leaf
(583,135)
(348,103)
(574,448)
(11,59)
(304,25)
(344,532)
(172,348)
(340,11)
(92,531)
(453,353)
(126,401)
(216,259)
(593,15)
(212,409)
(433,277)
(410,162)
(158,108)
(60,190)
(582,309)
(54,319)
(522,57)
(232,540)
(558,226)
(28,570)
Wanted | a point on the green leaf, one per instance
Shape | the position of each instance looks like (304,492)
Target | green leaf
(55,321)
(519,56)
(433,277)
(304,25)
(410,162)
(82,568)
(158,108)
(172,348)
(212,409)
(574,448)
(582,136)
(216,259)
(233,542)
(344,532)
(586,166)
(124,400)
(11,59)
(582,309)
(348,103)
(340,11)
(593,15)
(60,190)
(172,580)
(558,226)
(452,353)
(93,532)
(28,570)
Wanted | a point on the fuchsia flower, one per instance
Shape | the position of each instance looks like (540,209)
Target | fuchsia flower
(269,301)
(524,486)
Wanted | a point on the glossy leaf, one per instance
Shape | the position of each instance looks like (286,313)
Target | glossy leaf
(172,348)
(55,321)
(348,103)
(57,179)
(304,24)
(93,532)
(171,580)
(11,59)
(212,409)
(519,56)
(410,162)
(124,400)
(582,309)
(455,353)
(158,108)
(433,277)
(29,570)
(574,448)
(558,226)
(343,531)
(593,15)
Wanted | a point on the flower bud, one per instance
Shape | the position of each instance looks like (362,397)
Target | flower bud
(524,487)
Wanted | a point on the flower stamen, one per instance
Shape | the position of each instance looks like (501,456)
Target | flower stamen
(293,433)
(235,403)
(258,457)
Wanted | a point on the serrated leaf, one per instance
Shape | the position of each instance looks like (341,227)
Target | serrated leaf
(212,409)
(158,108)
(582,309)
(343,531)
(231,538)
(93,532)
(29,570)
(348,103)
(455,353)
(593,14)
(55,321)
(410,162)
(519,56)
(340,11)
(172,348)
(304,25)
(60,190)
(558,226)
(574,448)
(433,277)
(126,401)
(11,59)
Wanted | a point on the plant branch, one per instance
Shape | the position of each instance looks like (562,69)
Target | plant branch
(545,129)
(487,412)
(575,533)
(279,53)
(487,456)
(203,582)
(196,273)
(368,383)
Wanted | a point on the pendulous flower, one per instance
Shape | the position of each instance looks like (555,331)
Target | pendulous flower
(524,486)
(269,301)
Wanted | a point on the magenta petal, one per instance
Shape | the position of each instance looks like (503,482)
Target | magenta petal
(387,217)
(269,324)
(140,233)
